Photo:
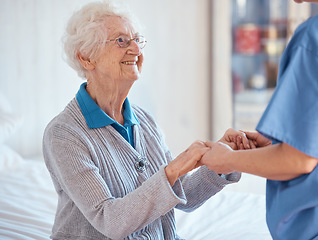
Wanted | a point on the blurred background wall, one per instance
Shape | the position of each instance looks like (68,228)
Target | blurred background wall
(174,85)
(186,83)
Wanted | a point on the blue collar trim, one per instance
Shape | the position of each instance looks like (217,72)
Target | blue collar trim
(95,117)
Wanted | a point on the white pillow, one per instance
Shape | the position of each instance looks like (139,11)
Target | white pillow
(9,122)
(5,105)
(9,159)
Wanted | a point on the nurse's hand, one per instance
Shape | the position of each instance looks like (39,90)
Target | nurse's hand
(216,159)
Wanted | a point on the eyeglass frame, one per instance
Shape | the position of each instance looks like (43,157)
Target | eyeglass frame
(129,42)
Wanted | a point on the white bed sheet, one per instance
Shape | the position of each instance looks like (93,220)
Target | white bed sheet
(28,202)
(226,216)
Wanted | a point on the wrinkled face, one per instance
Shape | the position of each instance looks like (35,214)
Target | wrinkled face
(117,63)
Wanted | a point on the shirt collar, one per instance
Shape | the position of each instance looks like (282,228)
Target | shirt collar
(95,117)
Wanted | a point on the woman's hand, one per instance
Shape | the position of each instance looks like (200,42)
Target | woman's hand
(186,161)
(257,139)
(239,140)
(236,139)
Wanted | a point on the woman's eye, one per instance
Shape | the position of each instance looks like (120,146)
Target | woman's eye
(120,40)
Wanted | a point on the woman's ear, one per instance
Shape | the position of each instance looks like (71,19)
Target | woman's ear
(86,63)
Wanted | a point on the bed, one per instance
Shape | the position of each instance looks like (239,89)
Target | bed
(28,201)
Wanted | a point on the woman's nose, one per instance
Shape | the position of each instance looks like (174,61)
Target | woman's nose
(134,48)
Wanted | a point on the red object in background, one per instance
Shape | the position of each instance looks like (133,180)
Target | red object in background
(248,39)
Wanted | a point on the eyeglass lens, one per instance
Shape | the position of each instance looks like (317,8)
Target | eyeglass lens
(124,41)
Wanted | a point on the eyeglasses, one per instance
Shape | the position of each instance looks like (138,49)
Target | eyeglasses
(124,41)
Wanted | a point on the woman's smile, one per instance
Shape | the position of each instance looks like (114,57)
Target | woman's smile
(129,63)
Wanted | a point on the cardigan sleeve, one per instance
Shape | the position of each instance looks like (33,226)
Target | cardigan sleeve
(201,185)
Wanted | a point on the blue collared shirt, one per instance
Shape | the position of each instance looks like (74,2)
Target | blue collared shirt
(96,118)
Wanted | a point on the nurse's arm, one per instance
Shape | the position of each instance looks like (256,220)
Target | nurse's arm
(276,162)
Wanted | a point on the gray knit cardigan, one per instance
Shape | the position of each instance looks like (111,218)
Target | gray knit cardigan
(101,195)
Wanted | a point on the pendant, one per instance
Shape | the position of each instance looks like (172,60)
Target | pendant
(141,164)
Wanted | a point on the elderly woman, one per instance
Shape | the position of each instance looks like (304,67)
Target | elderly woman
(113,173)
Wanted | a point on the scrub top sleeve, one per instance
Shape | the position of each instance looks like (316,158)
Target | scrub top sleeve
(292,114)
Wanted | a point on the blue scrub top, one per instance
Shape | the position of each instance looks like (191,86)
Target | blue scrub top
(96,118)
(292,117)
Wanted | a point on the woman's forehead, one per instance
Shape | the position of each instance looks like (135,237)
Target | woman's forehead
(116,25)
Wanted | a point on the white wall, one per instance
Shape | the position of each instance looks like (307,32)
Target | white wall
(174,85)
(221,87)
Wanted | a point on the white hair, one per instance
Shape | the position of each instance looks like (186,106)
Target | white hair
(86,29)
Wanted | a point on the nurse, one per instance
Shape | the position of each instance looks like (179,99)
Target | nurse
(285,148)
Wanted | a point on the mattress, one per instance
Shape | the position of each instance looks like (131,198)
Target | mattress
(28,202)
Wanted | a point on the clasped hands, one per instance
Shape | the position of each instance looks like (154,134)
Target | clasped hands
(214,154)
(219,154)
